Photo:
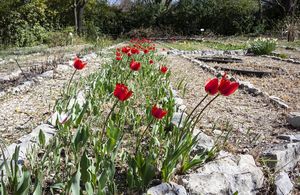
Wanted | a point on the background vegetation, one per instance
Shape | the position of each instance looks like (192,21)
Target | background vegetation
(32,22)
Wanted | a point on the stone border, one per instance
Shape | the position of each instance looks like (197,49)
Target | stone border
(289,60)
(177,38)
(246,85)
(208,52)
(228,52)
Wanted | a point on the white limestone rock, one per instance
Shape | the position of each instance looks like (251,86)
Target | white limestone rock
(167,189)
(225,175)
(283,184)
(282,157)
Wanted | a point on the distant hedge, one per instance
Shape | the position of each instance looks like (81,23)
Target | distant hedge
(31,22)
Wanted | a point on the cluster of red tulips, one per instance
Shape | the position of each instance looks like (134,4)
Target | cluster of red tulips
(136,49)
(121,92)
(223,87)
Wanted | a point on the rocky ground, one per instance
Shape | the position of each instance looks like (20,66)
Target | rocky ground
(250,124)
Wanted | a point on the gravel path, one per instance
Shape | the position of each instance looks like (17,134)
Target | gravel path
(252,121)
(22,112)
(38,57)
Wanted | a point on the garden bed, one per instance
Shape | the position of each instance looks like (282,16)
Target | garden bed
(249,124)
(98,120)
(282,83)
(276,78)
(28,57)
(27,103)
(244,72)
(217,59)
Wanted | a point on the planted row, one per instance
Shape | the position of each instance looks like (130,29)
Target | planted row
(119,138)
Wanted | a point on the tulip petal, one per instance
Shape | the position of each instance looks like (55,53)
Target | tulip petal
(211,86)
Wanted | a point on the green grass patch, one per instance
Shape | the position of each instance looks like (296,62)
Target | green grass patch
(202,45)
(295,44)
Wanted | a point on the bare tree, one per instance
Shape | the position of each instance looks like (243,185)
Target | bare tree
(288,9)
(288,6)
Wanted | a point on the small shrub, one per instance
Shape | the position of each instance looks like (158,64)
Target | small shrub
(61,38)
(263,46)
(141,32)
(56,39)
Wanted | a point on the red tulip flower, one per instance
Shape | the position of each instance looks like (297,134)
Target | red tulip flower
(135,50)
(121,92)
(129,54)
(146,51)
(118,53)
(157,112)
(125,49)
(79,64)
(151,61)
(134,65)
(227,87)
(118,58)
(212,86)
(164,69)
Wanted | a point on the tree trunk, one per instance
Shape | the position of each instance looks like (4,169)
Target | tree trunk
(291,36)
(260,10)
(79,6)
(79,19)
(292,5)
(75,16)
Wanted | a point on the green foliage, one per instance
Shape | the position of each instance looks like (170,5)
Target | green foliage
(60,38)
(202,45)
(221,17)
(42,138)
(22,24)
(28,23)
(93,148)
(263,46)
(19,180)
